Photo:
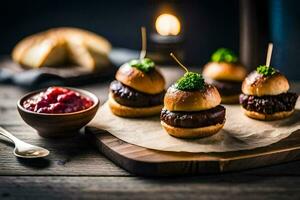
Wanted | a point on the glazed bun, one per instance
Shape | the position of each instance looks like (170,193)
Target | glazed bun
(178,100)
(224,71)
(131,112)
(151,83)
(268,117)
(259,85)
(192,132)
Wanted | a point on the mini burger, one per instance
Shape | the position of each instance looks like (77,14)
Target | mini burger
(226,74)
(138,90)
(192,107)
(265,95)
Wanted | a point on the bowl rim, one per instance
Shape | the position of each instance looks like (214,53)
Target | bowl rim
(83,92)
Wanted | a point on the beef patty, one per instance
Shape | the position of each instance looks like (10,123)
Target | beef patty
(195,119)
(227,88)
(128,96)
(269,104)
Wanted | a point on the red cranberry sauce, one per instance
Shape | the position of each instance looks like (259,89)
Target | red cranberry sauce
(57,100)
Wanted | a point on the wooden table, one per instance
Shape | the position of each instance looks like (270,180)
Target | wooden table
(75,169)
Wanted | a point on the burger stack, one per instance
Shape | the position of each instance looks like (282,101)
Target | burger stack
(266,95)
(226,74)
(138,90)
(192,108)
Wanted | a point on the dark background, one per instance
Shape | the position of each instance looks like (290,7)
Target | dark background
(207,24)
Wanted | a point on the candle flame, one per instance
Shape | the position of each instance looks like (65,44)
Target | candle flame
(167,24)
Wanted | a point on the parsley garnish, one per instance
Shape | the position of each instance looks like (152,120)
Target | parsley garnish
(224,55)
(145,64)
(190,81)
(265,70)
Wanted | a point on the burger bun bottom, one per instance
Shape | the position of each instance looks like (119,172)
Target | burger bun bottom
(267,117)
(192,132)
(132,112)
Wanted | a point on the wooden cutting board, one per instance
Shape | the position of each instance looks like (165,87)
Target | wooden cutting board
(146,162)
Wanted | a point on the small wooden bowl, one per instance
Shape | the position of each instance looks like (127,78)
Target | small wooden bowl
(58,125)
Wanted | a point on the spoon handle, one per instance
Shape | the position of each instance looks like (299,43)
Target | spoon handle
(8,135)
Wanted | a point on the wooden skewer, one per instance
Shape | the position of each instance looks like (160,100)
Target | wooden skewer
(269,54)
(181,65)
(144,43)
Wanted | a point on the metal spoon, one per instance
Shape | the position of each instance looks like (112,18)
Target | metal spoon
(23,149)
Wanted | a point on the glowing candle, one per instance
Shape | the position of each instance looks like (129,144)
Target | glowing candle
(167,24)
(166,38)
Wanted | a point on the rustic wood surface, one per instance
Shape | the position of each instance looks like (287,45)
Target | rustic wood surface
(146,162)
(76,170)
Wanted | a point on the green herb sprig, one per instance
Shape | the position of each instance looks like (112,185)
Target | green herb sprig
(190,80)
(144,64)
(224,55)
(265,70)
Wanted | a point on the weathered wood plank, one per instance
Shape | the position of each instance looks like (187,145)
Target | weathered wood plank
(70,156)
(75,156)
(10,116)
(10,91)
(225,187)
